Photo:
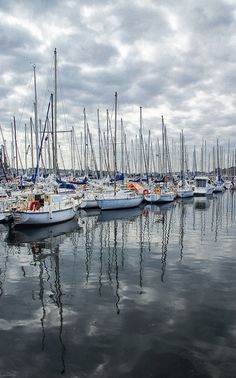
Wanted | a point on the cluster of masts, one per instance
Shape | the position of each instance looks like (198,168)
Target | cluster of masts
(138,157)
(106,151)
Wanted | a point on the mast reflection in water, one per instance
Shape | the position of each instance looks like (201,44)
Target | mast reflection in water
(142,292)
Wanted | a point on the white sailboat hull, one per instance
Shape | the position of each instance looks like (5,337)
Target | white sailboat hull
(88,204)
(166,197)
(203,191)
(152,198)
(39,218)
(219,188)
(184,193)
(228,185)
(119,203)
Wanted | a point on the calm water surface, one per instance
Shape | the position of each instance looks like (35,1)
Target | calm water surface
(148,292)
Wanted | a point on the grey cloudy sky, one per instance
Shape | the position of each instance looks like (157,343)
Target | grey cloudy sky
(175,58)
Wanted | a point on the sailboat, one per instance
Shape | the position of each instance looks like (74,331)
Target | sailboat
(44,210)
(121,199)
(167,193)
(184,190)
(153,197)
(203,187)
(219,183)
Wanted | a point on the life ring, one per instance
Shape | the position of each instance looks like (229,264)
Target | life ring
(158,191)
(145,192)
(34,205)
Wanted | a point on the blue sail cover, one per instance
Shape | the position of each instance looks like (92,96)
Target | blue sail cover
(119,177)
(66,185)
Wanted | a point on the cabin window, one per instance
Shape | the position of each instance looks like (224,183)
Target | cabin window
(201,183)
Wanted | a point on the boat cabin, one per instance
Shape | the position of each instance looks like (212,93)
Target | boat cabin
(201,182)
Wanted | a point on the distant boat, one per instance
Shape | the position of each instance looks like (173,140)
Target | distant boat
(122,200)
(119,199)
(219,182)
(88,201)
(203,187)
(218,187)
(228,184)
(152,197)
(166,195)
(184,190)
(91,194)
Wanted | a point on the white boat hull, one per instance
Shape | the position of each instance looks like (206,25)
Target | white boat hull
(152,198)
(119,203)
(203,186)
(88,204)
(203,191)
(219,188)
(184,193)
(40,218)
(166,197)
(228,185)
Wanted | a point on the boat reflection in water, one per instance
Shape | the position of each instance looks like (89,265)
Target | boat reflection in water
(121,214)
(34,235)
(3,231)
(202,203)
(151,277)
(186,201)
(44,243)
(85,213)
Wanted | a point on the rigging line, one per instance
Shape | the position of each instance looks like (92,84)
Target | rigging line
(63,105)
(62,99)
(24,103)
(42,104)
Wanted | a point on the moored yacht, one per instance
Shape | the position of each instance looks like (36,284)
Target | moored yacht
(44,210)
(203,186)
(119,200)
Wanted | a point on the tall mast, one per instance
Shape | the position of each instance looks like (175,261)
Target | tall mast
(108,152)
(218,159)
(16,149)
(122,147)
(26,152)
(36,115)
(55,112)
(12,149)
(182,155)
(85,145)
(32,144)
(115,163)
(99,146)
(140,143)
(49,132)
(8,163)
(73,150)
(163,147)
(81,152)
